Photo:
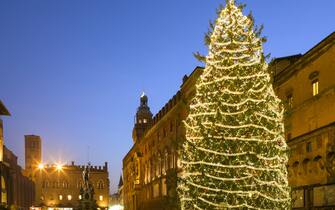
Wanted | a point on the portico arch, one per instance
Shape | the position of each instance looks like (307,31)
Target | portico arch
(3,191)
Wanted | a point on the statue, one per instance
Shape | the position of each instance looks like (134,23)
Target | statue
(87,201)
(86,176)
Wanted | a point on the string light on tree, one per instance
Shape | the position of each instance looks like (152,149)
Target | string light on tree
(235,154)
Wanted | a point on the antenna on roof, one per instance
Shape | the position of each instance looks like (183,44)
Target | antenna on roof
(88,154)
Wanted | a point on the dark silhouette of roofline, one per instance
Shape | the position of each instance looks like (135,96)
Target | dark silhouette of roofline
(3,109)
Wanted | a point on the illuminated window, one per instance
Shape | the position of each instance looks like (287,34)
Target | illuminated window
(60,197)
(3,190)
(155,190)
(149,171)
(145,121)
(100,184)
(164,189)
(315,86)
(79,197)
(101,197)
(166,161)
(159,166)
(171,160)
(69,197)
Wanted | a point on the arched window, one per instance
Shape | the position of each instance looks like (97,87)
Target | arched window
(305,165)
(164,188)
(158,165)
(47,184)
(295,167)
(317,164)
(171,160)
(147,173)
(165,161)
(152,167)
(155,167)
(100,184)
(79,184)
(65,184)
(3,190)
(149,170)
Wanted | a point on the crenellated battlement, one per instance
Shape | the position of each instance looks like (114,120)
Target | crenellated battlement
(166,108)
(177,97)
(72,166)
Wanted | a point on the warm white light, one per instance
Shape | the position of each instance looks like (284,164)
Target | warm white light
(315,85)
(116,207)
(69,197)
(60,197)
(101,197)
(234,155)
(40,166)
(79,197)
(59,167)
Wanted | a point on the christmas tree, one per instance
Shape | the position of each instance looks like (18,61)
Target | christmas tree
(234,155)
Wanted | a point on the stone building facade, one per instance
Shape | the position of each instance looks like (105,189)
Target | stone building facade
(58,185)
(20,188)
(151,166)
(306,85)
(16,189)
(33,152)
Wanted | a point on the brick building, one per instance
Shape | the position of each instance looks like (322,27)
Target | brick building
(306,85)
(58,185)
(16,189)
(151,166)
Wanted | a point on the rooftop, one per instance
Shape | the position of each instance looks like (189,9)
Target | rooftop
(3,109)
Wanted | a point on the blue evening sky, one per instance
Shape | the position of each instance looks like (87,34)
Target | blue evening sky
(72,71)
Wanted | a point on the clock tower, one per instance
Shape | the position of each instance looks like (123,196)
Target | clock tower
(143,118)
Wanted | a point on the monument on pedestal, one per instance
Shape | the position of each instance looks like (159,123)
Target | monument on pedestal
(87,201)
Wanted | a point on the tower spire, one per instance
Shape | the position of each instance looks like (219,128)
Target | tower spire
(230,1)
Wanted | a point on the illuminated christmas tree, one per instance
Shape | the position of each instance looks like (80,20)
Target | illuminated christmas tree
(235,154)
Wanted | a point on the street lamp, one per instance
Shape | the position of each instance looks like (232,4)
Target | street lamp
(59,167)
(40,166)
